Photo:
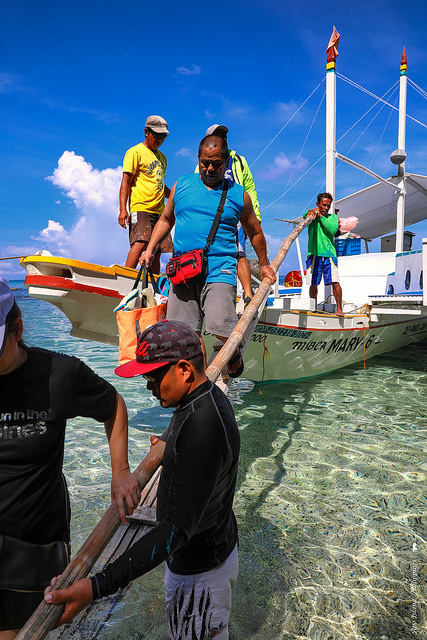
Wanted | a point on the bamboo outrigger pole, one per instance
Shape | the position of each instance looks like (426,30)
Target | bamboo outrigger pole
(13,257)
(46,616)
(234,341)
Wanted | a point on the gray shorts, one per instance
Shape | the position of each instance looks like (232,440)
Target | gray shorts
(201,601)
(215,302)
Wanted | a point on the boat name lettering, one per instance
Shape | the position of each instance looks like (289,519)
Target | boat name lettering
(309,346)
(348,344)
(260,337)
(277,331)
(415,328)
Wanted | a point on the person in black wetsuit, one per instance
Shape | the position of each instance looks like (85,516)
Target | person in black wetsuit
(196,532)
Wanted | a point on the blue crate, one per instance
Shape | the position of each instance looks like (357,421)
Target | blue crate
(348,246)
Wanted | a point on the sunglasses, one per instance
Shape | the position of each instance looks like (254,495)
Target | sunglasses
(216,164)
(158,136)
(161,372)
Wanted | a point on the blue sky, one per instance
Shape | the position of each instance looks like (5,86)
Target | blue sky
(77,80)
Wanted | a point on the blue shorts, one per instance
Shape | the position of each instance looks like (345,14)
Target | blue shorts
(317,266)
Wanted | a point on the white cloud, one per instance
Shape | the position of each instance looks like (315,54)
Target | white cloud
(10,269)
(282,167)
(86,186)
(184,152)
(56,237)
(53,229)
(93,234)
(194,71)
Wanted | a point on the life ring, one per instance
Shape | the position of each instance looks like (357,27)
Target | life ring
(293,279)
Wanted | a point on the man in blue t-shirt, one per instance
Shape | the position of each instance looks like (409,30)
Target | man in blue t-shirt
(238,171)
(191,208)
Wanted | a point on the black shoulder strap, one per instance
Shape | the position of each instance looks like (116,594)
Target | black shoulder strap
(143,272)
(219,213)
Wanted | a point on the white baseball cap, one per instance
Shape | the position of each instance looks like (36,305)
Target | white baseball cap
(217,129)
(157,124)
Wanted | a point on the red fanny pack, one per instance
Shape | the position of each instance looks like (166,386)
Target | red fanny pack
(190,265)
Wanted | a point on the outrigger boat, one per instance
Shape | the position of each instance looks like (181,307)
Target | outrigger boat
(385,305)
(385,322)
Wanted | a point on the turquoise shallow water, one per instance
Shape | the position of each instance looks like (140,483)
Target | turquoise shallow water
(331,500)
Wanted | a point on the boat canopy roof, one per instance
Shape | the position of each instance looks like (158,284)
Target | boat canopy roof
(376,206)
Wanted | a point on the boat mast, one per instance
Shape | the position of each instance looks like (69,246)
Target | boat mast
(331,112)
(400,222)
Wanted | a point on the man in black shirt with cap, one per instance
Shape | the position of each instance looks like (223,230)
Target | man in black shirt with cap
(196,532)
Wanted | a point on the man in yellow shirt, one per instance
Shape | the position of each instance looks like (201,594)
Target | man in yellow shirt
(143,186)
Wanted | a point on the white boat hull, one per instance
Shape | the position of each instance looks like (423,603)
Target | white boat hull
(282,351)
(87,293)
(286,344)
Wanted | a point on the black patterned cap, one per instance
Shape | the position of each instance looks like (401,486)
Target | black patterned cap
(163,343)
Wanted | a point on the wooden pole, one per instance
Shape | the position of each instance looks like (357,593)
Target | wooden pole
(46,616)
(13,257)
(214,369)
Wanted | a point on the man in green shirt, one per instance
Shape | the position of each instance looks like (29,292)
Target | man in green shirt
(322,256)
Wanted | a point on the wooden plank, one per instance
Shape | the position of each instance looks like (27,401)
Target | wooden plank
(90,621)
(145,513)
